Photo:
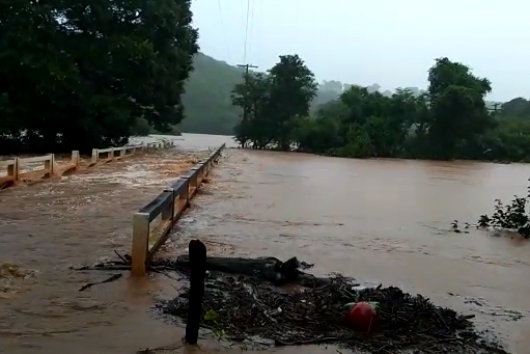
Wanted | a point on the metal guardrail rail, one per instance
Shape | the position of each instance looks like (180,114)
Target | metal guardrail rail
(153,223)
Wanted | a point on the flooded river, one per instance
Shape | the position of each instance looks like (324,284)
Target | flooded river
(381,221)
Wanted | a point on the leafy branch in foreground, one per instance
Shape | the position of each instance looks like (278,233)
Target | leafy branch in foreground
(212,318)
(511,216)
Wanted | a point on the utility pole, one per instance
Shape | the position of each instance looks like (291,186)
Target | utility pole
(247,67)
(496,107)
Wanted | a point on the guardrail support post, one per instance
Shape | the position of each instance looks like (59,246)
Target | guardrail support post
(193,182)
(49,164)
(169,213)
(75,157)
(197,254)
(123,152)
(14,170)
(110,155)
(184,195)
(95,155)
(140,247)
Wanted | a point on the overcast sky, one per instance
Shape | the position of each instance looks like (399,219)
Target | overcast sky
(388,42)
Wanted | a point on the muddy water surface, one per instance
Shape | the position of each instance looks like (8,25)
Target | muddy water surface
(381,221)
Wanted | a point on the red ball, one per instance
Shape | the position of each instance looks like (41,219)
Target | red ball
(363,317)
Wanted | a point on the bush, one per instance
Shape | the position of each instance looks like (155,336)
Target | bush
(512,216)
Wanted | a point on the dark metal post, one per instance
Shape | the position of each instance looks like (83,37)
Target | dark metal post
(197,253)
(246,67)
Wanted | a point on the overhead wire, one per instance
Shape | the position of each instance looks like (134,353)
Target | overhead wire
(251,30)
(223,28)
(258,37)
(246,32)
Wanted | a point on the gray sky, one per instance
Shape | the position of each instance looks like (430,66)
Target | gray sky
(388,42)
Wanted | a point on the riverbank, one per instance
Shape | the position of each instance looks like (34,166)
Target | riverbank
(297,151)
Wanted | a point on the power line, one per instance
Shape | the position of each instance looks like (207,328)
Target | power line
(258,40)
(246,103)
(251,29)
(246,32)
(247,67)
(223,28)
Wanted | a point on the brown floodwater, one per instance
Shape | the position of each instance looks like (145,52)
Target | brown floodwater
(380,221)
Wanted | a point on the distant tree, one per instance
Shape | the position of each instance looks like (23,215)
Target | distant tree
(373,88)
(459,111)
(274,105)
(256,128)
(335,86)
(292,89)
(141,127)
(516,108)
(449,120)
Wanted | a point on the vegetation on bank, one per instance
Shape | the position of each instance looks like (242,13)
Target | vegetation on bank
(79,75)
(511,217)
(450,120)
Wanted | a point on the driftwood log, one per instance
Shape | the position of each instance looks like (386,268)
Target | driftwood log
(268,268)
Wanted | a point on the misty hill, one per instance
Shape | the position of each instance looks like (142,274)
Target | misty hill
(207,101)
(208,104)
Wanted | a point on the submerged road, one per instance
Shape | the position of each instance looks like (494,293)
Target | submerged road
(381,221)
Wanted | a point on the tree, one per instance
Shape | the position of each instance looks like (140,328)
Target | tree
(275,103)
(292,89)
(516,108)
(253,95)
(78,75)
(459,111)
(449,120)
(332,85)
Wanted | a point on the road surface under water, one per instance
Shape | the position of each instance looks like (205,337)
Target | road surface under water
(381,221)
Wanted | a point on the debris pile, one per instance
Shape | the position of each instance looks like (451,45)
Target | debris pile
(242,307)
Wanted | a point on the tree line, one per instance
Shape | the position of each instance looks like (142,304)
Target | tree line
(450,120)
(84,74)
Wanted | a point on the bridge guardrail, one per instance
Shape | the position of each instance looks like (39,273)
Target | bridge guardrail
(15,166)
(153,223)
(110,153)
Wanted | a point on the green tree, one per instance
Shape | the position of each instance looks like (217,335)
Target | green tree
(256,129)
(516,108)
(292,89)
(458,108)
(275,104)
(78,75)
(449,120)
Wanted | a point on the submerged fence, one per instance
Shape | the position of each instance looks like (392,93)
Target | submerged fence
(153,223)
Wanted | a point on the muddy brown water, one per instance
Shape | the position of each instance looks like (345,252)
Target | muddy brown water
(381,221)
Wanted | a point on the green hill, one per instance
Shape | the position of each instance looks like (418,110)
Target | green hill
(208,104)
(207,101)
